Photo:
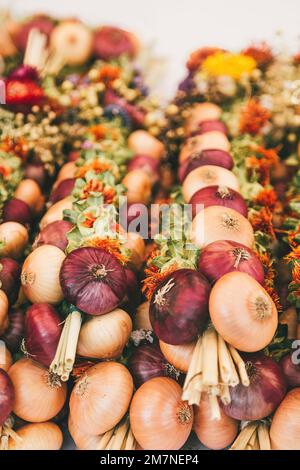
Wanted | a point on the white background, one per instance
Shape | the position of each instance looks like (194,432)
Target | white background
(176,27)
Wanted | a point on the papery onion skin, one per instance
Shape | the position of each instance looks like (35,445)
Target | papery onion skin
(218,196)
(7,396)
(180,314)
(159,419)
(206,157)
(40,275)
(42,332)
(208,175)
(147,362)
(224,256)
(290,366)
(179,356)
(101,398)
(56,212)
(10,278)
(14,237)
(214,434)
(285,427)
(266,390)
(93,280)
(105,336)
(15,331)
(16,210)
(37,397)
(62,190)
(242,312)
(38,436)
(219,223)
(54,234)
(82,440)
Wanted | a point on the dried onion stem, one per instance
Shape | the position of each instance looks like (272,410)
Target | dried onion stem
(254,436)
(119,438)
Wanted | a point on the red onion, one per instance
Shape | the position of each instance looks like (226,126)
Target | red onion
(54,234)
(36,172)
(10,272)
(110,42)
(146,163)
(179,306)
(42,332)
(290,370)
(218,196)
(266,390)
(63,189)
(206,157)
(7,396)
(13,335)
(208,126)
(133,292)
(93,280)
(224,256)
(24,73)
(147,362)
(16,210)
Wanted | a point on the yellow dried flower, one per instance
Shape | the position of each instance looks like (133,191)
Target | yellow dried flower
(225,63)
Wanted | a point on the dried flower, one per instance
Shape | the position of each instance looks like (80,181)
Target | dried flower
(226,63)
(253,117)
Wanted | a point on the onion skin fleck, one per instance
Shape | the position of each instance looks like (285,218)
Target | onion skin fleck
(224,256)
(290,370)
(218,196)
(42,332)
(10,278)
(159,419)
(285,427)
(266,390)
(180,314)
(7,396)
(206,157)
(54,234)
(93,280)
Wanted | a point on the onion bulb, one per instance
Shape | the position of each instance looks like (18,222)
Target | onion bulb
(201,112)
(141,319)
(101,397)
(3,311)
(16,210)
(147,164)
(68,170)
(179,356)
(285,427)
(10,271)
(224,256)
(62,190)
(141,142)
(242,312)
(5,358)
(29,192)
(15,331)
(198,143)
(218,196)
(159,419)
(214,434)
(40,275)
(37,172)
(138,184)
(13,239)
(219,223)
(136,246)
(206,157)
(291,369)
(211,125)
(39,396)
(42,332)
(208,175)
(54,234)
(105,336)
(266,390)
(74,40)
(93,280)
(37,436)
(178,306)
(7,396)
(56,212)
(82,440)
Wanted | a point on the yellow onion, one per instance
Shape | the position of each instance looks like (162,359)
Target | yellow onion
(55,212)
(208,175)
(13,239)
(67,171)
(105,336)
(5,358)
(159,419)
(136,245)
(138,184)
(83,441)
(101,397)
(216,223)
(3,311)
(214,434)
(179,356)
(285,427)
(37,436)
(210,140)
(141,142)
(141,319)
(29,192)
(242,312)
(40,275)
(38,395)
(201,112)
(74,40)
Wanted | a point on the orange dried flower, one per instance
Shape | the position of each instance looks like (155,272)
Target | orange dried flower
(261,53)
(89,220)
(94,185)
(267,198)
(98,131)
(253,118)
(269,281)
(5,171)
(262,221)
(155,277)
(111,245)
(108,73)
(262,163)
(96,165)
(17,146)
